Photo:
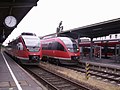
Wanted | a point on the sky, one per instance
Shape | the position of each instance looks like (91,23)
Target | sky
(44,18)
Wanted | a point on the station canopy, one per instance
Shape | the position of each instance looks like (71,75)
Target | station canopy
(95,30)
(16,8)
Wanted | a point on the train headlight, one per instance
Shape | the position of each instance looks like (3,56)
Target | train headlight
(68,49)
(35,58)
(33,49)
(28,49)
(77,49)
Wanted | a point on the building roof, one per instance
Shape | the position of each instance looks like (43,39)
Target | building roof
(95,30)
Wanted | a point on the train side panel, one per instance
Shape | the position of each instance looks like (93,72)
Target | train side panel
(56,50)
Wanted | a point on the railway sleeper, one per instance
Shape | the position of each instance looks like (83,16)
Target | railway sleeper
(54,80)
(47,75)
(63,85)
(57,82)
(49,78)
(70,88)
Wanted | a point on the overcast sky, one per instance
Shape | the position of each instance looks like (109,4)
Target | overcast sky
(44,18)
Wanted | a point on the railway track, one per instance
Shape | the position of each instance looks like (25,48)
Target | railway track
(54,81)
(107,74)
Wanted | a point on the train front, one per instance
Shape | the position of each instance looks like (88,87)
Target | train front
(73,51)
(33,49)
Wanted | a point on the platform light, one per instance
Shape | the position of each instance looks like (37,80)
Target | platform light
(110,36)
(105,37)
(3,34)
(115,35)
(97,29)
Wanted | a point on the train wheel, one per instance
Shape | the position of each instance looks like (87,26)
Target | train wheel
(57,62)
(44,59)
(18,61)
(47,61)
(50,60)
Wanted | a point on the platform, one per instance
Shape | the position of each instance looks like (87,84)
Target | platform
(13,77)
(102,62)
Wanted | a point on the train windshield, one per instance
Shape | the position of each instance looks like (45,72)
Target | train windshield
(70,44)
(32,43)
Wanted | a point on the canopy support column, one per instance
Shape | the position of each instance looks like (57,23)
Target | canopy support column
(78,40)
(91,48)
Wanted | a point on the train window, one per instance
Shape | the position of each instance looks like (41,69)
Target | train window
(44,46)
(32,41)
(54,46)
(60,47)
(70,44)
(50,46)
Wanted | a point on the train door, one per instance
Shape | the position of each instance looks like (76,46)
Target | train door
(117,52)
(54,48)
(97,51)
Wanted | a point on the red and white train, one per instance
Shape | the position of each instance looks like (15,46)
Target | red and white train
(109,48)
(26,49)
(60,50)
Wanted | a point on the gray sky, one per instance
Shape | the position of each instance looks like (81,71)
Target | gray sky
(45,17)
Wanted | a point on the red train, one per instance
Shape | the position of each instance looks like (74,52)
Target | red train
(109,48)
(26,49)
(60,50)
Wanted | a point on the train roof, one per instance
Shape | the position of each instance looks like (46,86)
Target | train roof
(29,36)
(107,40)
(54,35)
(25,34)
(58,38)
(64,38)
